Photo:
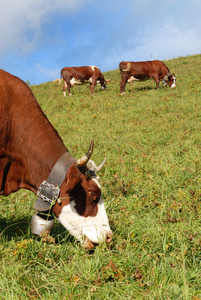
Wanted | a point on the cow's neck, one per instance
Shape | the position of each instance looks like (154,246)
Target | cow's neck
(31,154)
(25,173)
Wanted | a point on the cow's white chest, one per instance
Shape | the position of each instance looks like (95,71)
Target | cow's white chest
(75,81)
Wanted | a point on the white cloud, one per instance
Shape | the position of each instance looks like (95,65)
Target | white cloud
(64,32)
(171,41)
(167,41)
(21,21)
(47,72)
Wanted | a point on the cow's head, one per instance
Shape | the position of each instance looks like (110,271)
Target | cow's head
(80,208)
(169,79)
(103,83)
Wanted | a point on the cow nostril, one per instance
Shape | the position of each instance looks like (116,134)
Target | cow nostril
(108,237)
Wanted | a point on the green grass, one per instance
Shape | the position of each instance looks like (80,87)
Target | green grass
(152,189)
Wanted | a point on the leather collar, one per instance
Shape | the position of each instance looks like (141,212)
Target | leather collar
(49,190)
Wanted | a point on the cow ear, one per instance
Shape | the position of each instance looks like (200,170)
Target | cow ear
(73,177)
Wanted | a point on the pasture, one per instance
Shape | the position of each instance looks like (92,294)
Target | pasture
(151,184)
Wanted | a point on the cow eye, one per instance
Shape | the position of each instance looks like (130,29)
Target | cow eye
(92,193)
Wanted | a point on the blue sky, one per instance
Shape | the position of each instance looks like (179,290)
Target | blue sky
(40,37)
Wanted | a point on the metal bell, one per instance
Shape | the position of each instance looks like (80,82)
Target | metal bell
(40,224)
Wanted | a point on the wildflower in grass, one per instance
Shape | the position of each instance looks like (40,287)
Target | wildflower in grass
(22,245)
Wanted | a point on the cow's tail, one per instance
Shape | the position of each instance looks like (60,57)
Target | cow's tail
(58,80)
(127,67)
(61,77)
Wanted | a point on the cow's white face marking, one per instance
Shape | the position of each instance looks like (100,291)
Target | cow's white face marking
(174,82)
(94,228)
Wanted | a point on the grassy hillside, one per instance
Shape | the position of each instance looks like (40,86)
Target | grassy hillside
(152,189)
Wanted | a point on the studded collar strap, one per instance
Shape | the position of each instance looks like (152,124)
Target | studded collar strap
(49,190)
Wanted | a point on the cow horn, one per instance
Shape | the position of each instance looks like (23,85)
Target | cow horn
(83,161)
(101,165)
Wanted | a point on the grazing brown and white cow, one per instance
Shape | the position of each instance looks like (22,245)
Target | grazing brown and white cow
(80,75)
(140,71)
(34,157)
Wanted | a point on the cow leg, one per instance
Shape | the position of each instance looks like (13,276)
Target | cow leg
(92,86)
(66,86)
(157,82)
(122,85)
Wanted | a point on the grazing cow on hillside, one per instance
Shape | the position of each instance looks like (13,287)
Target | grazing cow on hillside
(34,157)
(81,75)
(139,71)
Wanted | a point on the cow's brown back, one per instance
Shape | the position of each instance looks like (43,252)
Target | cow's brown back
(29,145)
(80,75)
(142,70)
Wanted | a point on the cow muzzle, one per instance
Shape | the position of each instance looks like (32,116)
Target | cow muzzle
(87,244)
(41,224)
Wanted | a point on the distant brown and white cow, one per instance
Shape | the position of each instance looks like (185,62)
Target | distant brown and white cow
(80,75)
(140,71)
(34,157)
